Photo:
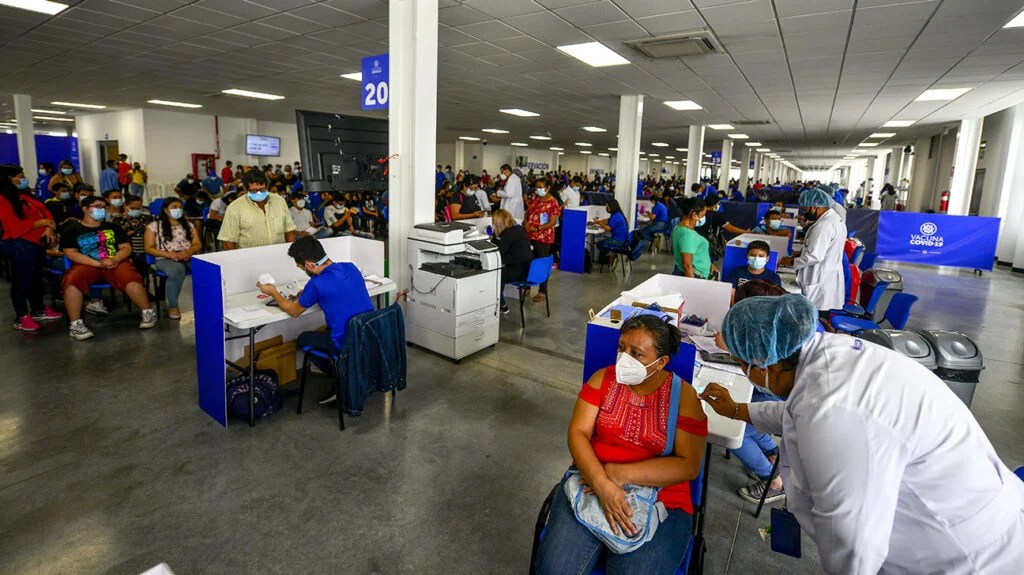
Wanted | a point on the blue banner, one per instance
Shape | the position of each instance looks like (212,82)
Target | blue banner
(376,91)
(938,240)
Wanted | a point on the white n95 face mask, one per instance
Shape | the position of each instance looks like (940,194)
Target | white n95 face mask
(629,370)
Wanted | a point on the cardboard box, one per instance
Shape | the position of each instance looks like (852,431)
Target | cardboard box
(274,354)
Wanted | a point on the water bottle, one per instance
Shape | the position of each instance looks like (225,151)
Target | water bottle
(490,230)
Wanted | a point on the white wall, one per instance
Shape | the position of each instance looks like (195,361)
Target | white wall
(446,155)
(595,162)
(575,163)
(289,135)
(171,139)
(126,127)
(927,183)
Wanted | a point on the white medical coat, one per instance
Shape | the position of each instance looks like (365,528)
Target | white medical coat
(887,470)
(819,269)
(512,197)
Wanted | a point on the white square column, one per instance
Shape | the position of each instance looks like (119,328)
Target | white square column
(627,159)
(745,169)
(694,156)
(723,170)
(1010,249)
(965,162)
(412,126)
(26,135)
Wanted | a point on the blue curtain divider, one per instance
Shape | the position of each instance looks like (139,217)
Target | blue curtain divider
(52,149)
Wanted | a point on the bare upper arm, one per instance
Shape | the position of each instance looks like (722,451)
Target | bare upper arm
(689,445)
(584,414)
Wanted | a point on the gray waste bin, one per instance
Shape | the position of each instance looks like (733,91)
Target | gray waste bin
(910,344)
(875,275)
(959,361)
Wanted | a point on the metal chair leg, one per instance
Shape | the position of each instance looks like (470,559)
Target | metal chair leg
(302,382)
(522,302)
(547,302)
(340,391)
(764,492)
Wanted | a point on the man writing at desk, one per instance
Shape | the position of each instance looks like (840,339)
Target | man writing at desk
(339,290)
(258,219)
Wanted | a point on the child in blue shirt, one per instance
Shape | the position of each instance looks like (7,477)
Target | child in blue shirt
(758,253)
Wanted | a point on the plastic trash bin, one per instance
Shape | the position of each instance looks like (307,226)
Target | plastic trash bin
(910,344)
(874,275)
(959,361)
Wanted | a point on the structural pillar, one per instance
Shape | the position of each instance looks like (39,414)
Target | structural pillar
(460,155)
(965,162)
(745,169)
(723,170)
(1011,202)
(412,126)
(26,135)
(627,159)
(694,156)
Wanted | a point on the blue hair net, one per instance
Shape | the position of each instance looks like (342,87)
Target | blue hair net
(765,329)
(816,198)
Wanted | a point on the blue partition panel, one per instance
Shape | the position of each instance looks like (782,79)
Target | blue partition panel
(574,241)
(865,223)
(209,317)
(736,257)
(603,348)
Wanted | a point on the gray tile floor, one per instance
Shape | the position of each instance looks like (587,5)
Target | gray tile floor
(108,466)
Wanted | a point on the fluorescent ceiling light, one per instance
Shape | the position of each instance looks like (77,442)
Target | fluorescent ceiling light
(659,144)
(518,112)
(175,104)
(561,153)
(582,144)
(539,138)
(556,148)
(613,149)
(594,129)
(357,76)
(680,149)
(77,105)
(653,155)
(867,144)
(898,123)
(52,118)
(43,6)
(494,131)
(520,144)
(739,136)
(643,153)
(721,126)
(55,112)
(469,138)
(251,94)
(764,149)
(941,94)
(683,105)
(595,54)
(752,144)
(586,152)
(670,157)
(882,135)
(605,154)
(1017,21)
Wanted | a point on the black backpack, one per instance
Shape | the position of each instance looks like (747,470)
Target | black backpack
(268,394)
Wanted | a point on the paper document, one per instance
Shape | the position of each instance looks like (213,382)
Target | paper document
(375,279)
(707,344)
(704,376)
(242,314)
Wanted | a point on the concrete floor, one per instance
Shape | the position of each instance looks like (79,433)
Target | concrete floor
(108,466)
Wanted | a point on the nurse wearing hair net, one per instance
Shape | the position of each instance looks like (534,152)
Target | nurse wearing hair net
(819,266)
(884,467)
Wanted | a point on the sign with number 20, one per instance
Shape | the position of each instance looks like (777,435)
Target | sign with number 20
(375,82)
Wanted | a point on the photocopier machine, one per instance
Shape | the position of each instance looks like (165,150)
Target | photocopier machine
(453,305)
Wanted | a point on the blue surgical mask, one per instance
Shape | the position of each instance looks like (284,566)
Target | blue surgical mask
(757,262)
(23,184)
(176,213)
(258,196)
(134,213)
(66,171)
(758,387)
(702,221)
(42,172)
(775,224)
(117,202)
(65,195)
(541,192)
(98,214)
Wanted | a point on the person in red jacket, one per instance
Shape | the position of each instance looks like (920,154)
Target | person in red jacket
(227,174)
(27,228)
(124,173)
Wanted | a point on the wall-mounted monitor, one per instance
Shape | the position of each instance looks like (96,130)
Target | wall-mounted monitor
(262,145)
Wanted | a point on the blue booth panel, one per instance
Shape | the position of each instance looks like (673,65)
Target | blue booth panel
(603,348)
(574,241)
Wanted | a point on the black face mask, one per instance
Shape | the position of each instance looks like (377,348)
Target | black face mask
(811,216)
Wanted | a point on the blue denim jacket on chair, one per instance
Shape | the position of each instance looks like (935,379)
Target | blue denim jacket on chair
(375,357)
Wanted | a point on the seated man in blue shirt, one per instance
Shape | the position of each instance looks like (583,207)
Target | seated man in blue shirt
(339,290)
(758,253)
(659,220)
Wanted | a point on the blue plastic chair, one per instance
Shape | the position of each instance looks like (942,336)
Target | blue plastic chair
(540,271)
(897,314)
(868,261)
(1020,473)
(156,206)
(869,311)
(858,255)
(337,359)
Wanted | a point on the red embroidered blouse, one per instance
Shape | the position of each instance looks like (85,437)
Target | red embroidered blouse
(632,428)
(538,208)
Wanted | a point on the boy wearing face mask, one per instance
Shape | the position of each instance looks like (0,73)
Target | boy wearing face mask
(758,253)
(772,225)
(571,193)
(115,203)
(133,220)
(187,187)
(60,204)
(541,219)
(306,223)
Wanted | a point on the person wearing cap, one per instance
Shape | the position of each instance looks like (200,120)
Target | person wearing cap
(885,468)
(819,265)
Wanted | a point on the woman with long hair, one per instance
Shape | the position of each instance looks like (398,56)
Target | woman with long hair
(617,225)
(27,229)
(172,240)
(693,259)
(67,175)
(514,245)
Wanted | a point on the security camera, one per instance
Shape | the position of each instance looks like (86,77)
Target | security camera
(483,142)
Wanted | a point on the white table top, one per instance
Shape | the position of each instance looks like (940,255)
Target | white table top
(252,309)
(595,231)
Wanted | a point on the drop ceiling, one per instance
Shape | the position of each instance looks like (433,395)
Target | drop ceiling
(823,73)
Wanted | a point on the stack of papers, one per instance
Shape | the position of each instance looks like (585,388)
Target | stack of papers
(707,344)
(246,313)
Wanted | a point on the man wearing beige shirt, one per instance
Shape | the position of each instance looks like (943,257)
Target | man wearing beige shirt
(257,219)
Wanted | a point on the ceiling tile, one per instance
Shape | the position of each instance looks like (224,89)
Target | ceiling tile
(326,15)
(674,23)
(505,8)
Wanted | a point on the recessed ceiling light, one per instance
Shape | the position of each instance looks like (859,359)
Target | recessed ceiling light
(54,119)
(539,138)
(494,131)
(594,129)
(42,6)
(643,153)
(613,149)
(680,149)
(670,157)
(721,126)
(752,144)
(175,104)
(882,135)
(1017,21)
(867,144)
(469,138)
(55,112)
(764,149)
(251,94)
(605,154)
(520,144)
(556,148)
(898,123)
(518,112)
(561,153)
(683,105)
(654,155)
(357,76)
(941,94)
(582,144)
(659,144)
(77,105)
(595,54)
(586,152)
(739,136)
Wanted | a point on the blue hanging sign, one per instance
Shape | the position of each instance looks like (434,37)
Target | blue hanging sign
(716,157)
(938,240)
(376,91)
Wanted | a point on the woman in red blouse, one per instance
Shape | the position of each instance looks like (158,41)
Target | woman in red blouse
(616,437)
(541,219)
(27,227)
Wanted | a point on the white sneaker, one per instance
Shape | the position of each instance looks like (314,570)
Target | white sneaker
(328,400)
(148,319)
(79,331)
(96,308)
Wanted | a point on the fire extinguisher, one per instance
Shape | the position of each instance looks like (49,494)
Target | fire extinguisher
(944,204)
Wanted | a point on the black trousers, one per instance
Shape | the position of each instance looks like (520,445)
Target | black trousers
(28,265)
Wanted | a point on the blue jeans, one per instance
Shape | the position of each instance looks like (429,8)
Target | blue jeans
(176,272)
(656,228)
(569,547)
(757,446)
(607,244)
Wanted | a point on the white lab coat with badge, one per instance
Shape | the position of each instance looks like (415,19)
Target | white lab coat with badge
(511,195)
(887,470)
(819,269)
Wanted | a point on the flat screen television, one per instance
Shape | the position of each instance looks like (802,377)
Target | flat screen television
(342,153)
(262,145)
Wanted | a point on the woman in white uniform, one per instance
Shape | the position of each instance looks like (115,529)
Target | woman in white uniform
(884,467)
(819,266)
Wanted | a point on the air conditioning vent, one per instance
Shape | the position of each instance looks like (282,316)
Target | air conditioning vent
(749,122)
(695,43)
